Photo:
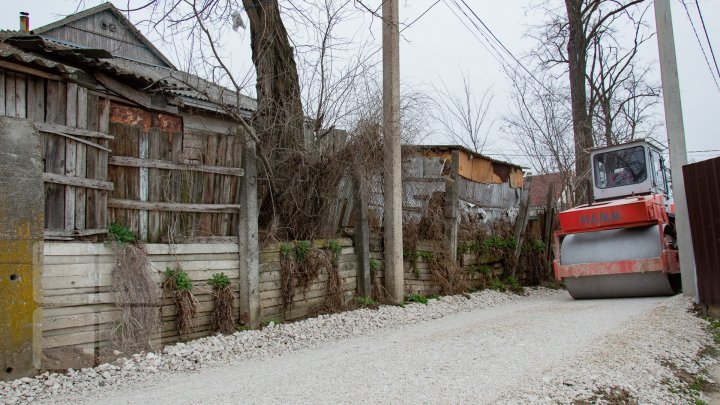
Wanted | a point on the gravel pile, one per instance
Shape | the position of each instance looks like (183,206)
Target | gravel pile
(271,341)
(651,359)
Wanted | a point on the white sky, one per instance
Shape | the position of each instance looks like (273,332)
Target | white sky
(439,46)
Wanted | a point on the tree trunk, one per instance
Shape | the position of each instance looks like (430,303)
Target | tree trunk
(279,116)
(582,125)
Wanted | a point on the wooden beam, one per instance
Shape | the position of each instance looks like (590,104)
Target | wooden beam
(31,71)
(66,130)
(63,233)
(86,142)
(164,164)
(173,207)
(77,181)
(132,94)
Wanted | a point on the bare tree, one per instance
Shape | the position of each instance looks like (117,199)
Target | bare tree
(620,94)
(462,117)
(540,123)
(302,81)
(567,40)
(582,40)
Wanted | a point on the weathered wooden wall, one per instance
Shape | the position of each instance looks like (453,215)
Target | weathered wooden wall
(104,30)
(79,311)
(172,185)
(74,124)
(305,302)
(107,161)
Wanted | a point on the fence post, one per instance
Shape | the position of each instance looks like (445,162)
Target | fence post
(362,235)
(451,205)
(522,218)
(248,238)
(21,248)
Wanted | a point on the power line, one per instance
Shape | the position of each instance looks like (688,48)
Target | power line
(420,16)
(707,37)
(490,39)
(493,52)
(702,48)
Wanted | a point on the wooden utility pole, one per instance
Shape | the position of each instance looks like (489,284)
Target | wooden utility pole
(676,141)
(392,178)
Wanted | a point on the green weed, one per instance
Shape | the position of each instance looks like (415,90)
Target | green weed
(120,233)
(182,280)
(219,280)
(365,301)
(421,299)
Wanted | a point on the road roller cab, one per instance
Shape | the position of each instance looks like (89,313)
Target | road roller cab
(621,244)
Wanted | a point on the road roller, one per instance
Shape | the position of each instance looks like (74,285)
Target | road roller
(622,243)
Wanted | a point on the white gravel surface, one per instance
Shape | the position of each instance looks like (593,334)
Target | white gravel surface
(489,348)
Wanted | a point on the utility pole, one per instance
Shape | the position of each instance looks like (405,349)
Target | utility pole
(392,177)
(676,141)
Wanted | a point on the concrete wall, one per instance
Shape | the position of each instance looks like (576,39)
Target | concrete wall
(481,269)
(79,311)
(21,241)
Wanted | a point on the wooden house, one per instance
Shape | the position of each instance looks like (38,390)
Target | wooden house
(116,134)
(128,137)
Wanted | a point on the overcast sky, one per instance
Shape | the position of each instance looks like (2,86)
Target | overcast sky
(439,47)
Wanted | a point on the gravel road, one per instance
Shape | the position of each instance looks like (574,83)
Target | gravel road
(491,348)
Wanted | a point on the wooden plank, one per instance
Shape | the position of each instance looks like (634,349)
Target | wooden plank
(36,99)
(174,207)
(100,208)
(10,107)
(91,162)
(20,95)
(74,232)
(144,186)
(64,129)
(70,155)
(2,92)
(81,157)
(155,182)
(132,94)
(208,185)
(80,140)
(55,156)
(128,161)
(77,181)
(29,70)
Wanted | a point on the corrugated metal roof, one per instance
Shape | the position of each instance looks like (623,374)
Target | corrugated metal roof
(182,83)
(190,88)
(11,53)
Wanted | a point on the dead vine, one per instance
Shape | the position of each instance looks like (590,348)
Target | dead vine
(137,296)
(177,285)
(222,318)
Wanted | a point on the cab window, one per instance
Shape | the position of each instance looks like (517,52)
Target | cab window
(658,171)
(620,167)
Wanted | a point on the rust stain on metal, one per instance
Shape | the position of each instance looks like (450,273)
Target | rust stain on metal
(165,122)
(127,115)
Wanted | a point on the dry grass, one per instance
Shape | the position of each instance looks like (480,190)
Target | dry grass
(177,286)
(137,296)
(222,318)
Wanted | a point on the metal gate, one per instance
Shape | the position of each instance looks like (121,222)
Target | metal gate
(702,187)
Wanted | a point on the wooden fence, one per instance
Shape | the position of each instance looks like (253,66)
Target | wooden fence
(106,161)
(74,123)
(79,312)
